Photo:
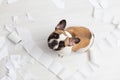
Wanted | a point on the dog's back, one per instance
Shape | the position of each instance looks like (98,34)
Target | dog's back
(83,34)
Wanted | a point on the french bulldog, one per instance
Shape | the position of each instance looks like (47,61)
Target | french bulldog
(73,38)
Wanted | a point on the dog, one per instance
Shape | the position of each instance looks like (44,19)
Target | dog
(73,38)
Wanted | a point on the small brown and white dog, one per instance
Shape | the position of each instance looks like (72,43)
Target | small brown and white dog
(73,38)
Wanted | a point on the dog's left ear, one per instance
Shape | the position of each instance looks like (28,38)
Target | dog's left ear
(61,25)
(73,41)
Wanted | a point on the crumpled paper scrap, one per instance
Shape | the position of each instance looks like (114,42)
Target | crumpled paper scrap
(56,67)
(32,48)
(12,65)
(30,76)
(27,17)
(11,1)
(100,10)
(15,62)
(65,74)
(59,3)
(95,3)
(116,20)
(100,3)
(77,76)
(1,1)
(3,48)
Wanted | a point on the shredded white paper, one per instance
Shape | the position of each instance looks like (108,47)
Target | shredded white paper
(59,3)
(11,1)
(3,48)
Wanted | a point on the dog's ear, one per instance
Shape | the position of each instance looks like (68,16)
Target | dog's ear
(61,25)
(73,41)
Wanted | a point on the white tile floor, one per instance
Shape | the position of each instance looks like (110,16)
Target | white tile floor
(40,18)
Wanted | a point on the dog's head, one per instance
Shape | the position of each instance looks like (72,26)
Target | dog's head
(59,39)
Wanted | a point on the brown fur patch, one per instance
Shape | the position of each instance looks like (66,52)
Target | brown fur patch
(83,34)
(60,32)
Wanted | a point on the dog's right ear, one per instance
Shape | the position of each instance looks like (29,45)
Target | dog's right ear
(61,25)
(73,41)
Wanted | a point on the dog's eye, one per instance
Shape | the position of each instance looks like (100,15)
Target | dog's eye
(55,35)
(61,44)
(54,43)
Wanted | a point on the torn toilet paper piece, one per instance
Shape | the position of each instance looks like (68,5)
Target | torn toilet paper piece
(32,48)
(100,3)
(11,1)
(56,67)
(102,15)
(85,70)
(36,52)
(118,43)
(98,13)
(46,60)
(2,42)
(30,18)
(28,43)
(3,48)
(94,57)
(116,33)
(111,40)
(102,45)
(6,78)
(14,19)
(77,76)
(104,3)
(26,37)
(26,59)
(9,27)
(1,2)
(30,76)
(118,26)
(15,62)
(3,52)
(95,3)
(22,18)
(3,69)
(116,20)
(14,37)
(65,74)
(12,65)
(107,17)
(59,3)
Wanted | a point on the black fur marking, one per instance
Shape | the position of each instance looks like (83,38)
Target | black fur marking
(61,45)
(53,44)
(53,36)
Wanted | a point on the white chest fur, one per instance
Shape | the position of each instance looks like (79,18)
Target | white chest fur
(68,49)
(65,51)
